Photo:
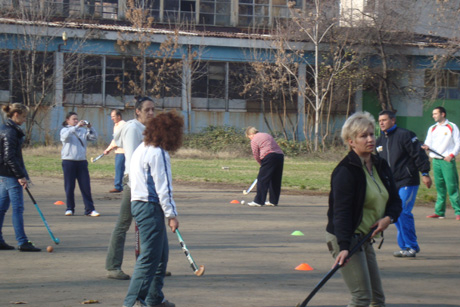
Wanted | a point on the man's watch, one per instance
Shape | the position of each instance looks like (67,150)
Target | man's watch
(425,174)
(391,219)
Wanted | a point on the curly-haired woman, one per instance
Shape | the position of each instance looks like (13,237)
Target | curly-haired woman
(151,203)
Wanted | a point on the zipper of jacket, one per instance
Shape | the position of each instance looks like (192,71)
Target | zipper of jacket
(373,179)
(388,149)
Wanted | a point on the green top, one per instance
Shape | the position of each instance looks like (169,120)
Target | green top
(375,201)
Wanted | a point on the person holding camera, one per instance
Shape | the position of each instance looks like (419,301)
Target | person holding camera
(74,137)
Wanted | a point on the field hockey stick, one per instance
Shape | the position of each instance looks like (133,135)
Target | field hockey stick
(56,240)
(198,271)
(436,153)
(137,247)
(335,268)
(246,192)
(97,158)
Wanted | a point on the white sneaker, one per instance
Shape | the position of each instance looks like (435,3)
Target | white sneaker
(267,203)
(93,213)
(68,213)
(253,204)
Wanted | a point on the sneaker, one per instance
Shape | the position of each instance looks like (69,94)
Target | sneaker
(408,253)
(93,213)
(253,204)
(114,191)
(267,203)
(28,247)
(4,246)
(435,216)
(117,274)
(69,213)
(457,217)
(164,304)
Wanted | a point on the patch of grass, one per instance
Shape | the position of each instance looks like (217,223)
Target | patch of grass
(310,172)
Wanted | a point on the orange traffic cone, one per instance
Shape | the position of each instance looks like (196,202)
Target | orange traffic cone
(234,202)
(304,267)
(59,203)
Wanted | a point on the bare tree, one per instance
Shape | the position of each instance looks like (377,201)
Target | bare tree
(306,39)
(170,67)
(32,56)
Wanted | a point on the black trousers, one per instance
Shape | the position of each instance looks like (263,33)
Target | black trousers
(269,178)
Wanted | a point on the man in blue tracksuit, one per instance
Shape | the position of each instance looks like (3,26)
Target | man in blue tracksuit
(402,150)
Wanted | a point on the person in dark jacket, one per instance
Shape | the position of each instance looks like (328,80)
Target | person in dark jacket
(13,175)
(363,196)
(405,156)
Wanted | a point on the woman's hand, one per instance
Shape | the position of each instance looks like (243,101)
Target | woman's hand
(340,259)
(23,182)
(173,224)
(381,225)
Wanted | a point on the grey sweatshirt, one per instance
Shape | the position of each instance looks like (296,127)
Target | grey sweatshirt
(74,141)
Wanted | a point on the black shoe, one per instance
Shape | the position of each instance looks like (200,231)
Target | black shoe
(4,246)
(28,247)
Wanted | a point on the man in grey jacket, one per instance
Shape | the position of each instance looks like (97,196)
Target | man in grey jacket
(128,137)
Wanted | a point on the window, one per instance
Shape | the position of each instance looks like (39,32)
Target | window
(32,81)
(445,84)
(121,76)
(4,70)
(151,6)
(253,12)
(85,76)
(215,12)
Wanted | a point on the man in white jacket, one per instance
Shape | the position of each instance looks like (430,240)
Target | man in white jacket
(443,140)
(128,138)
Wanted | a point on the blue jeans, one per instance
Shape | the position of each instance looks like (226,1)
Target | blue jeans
(77,170)
(119,171)
(11,192)
(407,237)
(148,276)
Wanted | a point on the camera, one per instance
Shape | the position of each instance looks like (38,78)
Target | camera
(85,122)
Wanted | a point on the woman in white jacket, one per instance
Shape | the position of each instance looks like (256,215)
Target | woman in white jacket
(151,202)
(74,137)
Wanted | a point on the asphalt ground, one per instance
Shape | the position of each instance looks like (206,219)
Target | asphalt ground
(250,254)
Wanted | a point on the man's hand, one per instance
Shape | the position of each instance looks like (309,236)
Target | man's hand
(427,181)
(448,158)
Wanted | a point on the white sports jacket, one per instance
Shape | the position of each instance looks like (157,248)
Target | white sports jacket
(150,177)
(444,139)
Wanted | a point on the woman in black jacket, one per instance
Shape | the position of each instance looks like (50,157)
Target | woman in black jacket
(13,175)
(363,196)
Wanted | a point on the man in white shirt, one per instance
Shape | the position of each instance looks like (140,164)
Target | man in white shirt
(118,121)
(443,142)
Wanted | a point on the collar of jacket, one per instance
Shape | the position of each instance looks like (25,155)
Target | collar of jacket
(356,161)
(391,130)
(15,126)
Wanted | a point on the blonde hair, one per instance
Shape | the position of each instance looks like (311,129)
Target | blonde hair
(355,124)
(251,130)
(10,109)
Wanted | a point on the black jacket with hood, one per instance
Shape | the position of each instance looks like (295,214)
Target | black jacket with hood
(348,191)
